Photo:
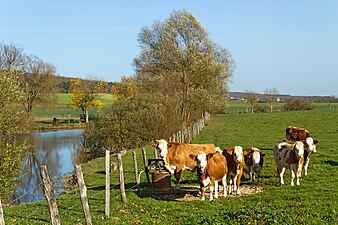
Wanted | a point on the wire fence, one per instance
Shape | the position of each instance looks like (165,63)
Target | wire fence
(244,109)
(37,213)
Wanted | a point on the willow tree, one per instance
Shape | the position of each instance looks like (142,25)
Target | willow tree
(178,60)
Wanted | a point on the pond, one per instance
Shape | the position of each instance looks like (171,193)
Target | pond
(57,150)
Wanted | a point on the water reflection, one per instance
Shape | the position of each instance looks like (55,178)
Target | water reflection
(56,150)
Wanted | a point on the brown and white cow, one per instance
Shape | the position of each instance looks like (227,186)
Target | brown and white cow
(176,156)
(293,133)
(309,147)
(289,156)
(254,159)
(301,134)
(235,163)
(211,169)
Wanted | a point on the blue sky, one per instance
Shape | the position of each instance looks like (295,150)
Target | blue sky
(289,45)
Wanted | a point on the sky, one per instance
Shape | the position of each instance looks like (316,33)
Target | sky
(284,44)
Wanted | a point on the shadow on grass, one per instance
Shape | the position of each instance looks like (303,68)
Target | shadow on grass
(172,195)
(331,162)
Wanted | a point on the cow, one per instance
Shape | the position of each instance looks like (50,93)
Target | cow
(176,156)
(211,169)
(235,162)
(254,159)
(290,156)
(296,134)
(301,134)
(309,147)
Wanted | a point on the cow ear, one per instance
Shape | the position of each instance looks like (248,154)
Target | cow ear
(262,154)
(192,156)
(247,151)
(154,145)
(209,156)
(315,142)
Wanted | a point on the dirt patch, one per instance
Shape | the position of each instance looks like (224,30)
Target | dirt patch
(192,193)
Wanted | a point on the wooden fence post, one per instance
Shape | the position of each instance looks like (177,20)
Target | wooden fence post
(156,153)
(144,155)
(123,192)
(49,192)
(137,178)
(2,218)
(107,199)
(83,193)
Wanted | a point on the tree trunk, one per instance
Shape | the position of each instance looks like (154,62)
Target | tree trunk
(86,115)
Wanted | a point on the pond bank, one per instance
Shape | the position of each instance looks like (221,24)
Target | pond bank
(51,127)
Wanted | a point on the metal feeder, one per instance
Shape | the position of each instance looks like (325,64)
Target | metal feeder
(161,179)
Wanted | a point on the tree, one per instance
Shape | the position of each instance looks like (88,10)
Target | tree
(37,78)
(179,60)
(130,123)
(84,94)
(271,96)
(12,121)
(11,57)
(38,83)
(126,88)
(250,97)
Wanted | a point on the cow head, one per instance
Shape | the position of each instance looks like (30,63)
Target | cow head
(238,154)
(162,147)
(310,144)
(201,160)
(299,148)
(256,156)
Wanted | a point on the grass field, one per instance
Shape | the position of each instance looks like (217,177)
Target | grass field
(62,109)
(315,201)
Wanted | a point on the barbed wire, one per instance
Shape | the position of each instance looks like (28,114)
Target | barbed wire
(26,193)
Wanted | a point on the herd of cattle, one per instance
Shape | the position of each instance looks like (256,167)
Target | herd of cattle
(213,164)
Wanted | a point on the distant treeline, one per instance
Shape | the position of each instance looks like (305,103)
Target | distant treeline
(286,98)
(65,84)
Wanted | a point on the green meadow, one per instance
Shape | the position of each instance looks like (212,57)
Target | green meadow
(62,108)
(315,201)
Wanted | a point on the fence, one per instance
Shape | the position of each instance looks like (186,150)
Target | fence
(243,109)
(49,184)
(188,134)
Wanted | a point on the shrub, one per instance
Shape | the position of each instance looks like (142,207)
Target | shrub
(297,105)
(260,109)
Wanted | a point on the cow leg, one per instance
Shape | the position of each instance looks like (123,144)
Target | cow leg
(292,175)
(177,175)
(306,164)
(230,186)
(216,189)
(235,183)
(259,174)
(224,182)
(299,174)
(238,184)
(251,176)
(212,183)
(202,192)
(281,174)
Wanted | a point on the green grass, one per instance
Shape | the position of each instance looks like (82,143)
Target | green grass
(62,109)
(315,201)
